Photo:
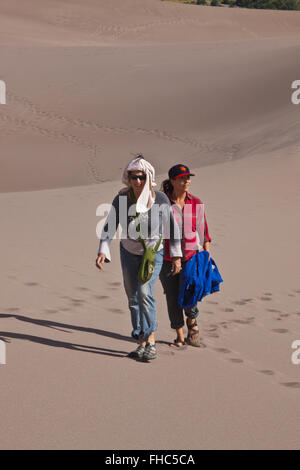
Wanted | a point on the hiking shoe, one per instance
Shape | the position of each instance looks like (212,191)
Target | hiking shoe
(137,353)
(150,352)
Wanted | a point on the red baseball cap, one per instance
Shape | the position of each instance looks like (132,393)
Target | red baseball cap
(179,170)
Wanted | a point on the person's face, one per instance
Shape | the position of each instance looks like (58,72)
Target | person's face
(182,183)
(137,180)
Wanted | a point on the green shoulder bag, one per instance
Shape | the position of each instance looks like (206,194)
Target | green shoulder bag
(148,259)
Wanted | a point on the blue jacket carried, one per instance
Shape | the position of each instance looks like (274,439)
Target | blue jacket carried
(200,277)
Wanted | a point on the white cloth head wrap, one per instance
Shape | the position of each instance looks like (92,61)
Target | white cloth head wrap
(146,199)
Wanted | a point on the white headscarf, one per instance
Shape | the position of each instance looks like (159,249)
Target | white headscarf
(146,198)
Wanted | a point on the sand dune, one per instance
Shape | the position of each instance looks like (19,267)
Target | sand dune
(71,109)
(94,22)
(202,88)
(88,83)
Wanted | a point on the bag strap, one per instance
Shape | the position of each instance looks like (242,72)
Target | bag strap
(138,225)
(155,249)
(158,244)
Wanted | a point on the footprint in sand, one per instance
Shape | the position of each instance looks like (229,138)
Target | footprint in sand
(101,297)
(212,302)
(228,309)
(239,302)
(265,298)
(83,289)
(12,309)
(223,350)
(273,310)
(210,313)
(50,310)
(116,310)
(224,324)
(291,384)
(267,372)
(236,360)
(243,322)
(280,330)
(168,353)
(77,302)
(297,291)
(211,331)
(212,328)
(31,284)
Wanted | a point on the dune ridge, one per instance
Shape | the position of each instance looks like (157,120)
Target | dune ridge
(151,21)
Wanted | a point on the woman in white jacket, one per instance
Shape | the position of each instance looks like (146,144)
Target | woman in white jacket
(156,220)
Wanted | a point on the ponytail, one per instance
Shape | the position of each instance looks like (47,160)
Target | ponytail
(167,186)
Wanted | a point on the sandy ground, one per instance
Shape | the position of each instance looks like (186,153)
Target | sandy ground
(87,84)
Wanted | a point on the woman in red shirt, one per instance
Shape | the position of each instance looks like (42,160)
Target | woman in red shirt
(189,213)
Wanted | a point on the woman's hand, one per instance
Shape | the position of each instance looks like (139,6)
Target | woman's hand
(176,265)
(100,260)
(206,248)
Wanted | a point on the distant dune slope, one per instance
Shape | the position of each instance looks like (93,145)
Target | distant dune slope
(62,22)
(178,82)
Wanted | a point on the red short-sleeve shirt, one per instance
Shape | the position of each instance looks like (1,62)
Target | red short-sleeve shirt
(189,240)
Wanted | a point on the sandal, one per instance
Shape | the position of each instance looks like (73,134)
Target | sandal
(178,344)
(192,331)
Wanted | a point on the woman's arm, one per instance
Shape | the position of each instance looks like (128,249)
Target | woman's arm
(202,228)
(207,239)
(108,233)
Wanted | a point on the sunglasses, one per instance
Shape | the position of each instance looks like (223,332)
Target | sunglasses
(138,177)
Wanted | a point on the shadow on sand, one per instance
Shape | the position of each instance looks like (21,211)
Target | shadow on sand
(4,335)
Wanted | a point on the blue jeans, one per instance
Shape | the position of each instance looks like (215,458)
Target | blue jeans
(140,295)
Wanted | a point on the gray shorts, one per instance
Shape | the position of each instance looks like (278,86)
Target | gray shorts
(171,285)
